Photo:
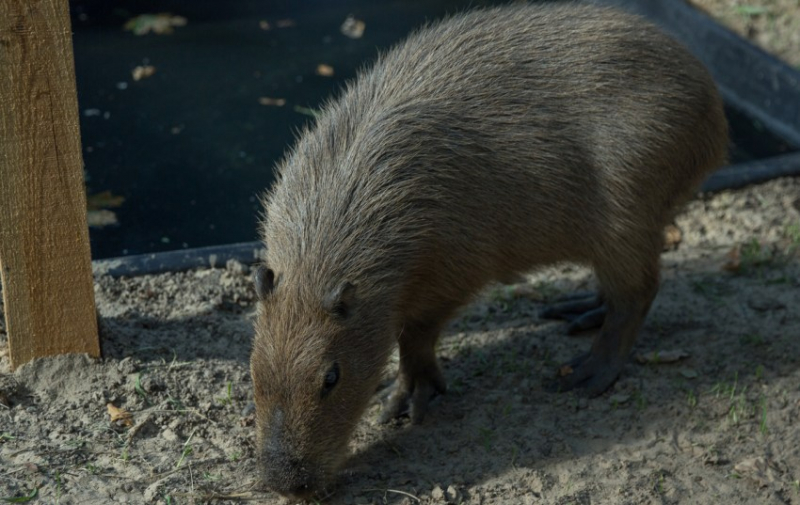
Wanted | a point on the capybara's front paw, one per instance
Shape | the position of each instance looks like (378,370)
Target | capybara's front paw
(588,374)
(412,394)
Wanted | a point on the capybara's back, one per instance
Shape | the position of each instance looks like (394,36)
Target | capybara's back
(479,149)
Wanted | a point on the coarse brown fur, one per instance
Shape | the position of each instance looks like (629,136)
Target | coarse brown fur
(482,147)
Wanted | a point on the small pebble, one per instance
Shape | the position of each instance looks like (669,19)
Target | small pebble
(453,496)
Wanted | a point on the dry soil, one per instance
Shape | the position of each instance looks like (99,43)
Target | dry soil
(720,425)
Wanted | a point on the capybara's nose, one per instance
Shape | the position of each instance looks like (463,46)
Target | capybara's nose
(288,477)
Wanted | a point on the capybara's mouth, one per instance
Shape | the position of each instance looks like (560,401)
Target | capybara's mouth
(294,482)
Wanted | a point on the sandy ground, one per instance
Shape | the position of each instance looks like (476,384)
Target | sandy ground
(772,24)
(720,425)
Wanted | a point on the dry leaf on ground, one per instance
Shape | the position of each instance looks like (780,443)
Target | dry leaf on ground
(160,24)
(324,70)
(353,28)
(100,218)
(672,237)
(734,263)
(119,416)
(142,72)
(274,102)
(104,200)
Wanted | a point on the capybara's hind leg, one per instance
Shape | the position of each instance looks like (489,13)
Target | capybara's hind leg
(419,378)
(628,295)
(583,311)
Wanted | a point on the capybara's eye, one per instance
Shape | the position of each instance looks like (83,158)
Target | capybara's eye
(331,378)
(264,280)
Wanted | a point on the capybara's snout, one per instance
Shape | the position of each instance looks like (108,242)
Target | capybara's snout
(287,474)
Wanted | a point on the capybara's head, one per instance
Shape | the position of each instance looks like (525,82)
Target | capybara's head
(314,367)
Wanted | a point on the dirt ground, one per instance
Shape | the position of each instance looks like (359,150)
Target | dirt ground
(772,24)
(720,425)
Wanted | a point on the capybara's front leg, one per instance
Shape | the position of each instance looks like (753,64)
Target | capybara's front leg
(419,378)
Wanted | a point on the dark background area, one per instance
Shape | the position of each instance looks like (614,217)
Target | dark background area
(190,148)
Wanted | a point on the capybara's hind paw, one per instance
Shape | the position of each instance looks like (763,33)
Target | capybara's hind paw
(412,395)
(583,311)
(587,374)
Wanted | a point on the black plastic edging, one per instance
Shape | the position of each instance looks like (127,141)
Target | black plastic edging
(752,172)
(750,79)
(246,253)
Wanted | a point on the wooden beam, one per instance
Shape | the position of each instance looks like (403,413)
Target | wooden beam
(45,259)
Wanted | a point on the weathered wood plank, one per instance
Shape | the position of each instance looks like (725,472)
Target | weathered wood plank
(45,261)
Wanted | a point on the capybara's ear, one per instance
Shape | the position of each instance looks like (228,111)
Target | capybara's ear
(339,302)
(264,280)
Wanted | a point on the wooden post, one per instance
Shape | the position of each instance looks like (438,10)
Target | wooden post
(45,260)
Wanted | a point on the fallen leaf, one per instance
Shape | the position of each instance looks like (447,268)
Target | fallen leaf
(672,237)
(160,24)
(101,218)
(324,70)
(285,23)
(104,200)
(142,72)
(353,28)
(734,263)
(275,102)
(120,416)
(662,356)
(565,370)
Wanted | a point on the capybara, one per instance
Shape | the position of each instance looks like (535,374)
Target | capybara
(482,147)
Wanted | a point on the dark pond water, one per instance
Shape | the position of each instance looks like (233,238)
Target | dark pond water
(191,147)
